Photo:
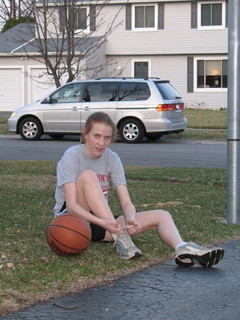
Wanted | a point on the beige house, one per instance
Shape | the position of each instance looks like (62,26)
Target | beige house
(180,40)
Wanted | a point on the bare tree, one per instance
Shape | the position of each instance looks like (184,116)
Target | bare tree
(68,40)
(15,9)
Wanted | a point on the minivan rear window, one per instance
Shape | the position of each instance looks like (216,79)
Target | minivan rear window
(167,91)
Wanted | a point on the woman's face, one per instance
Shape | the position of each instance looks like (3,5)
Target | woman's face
(98,139)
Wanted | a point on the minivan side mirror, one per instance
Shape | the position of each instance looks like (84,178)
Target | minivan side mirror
(47,100)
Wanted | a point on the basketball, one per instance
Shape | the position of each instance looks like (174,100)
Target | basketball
(68,234)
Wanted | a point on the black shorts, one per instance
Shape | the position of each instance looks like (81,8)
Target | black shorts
(98,233)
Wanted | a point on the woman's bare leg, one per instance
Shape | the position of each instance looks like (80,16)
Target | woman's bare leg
(91,198)
(158,220)
(90,195)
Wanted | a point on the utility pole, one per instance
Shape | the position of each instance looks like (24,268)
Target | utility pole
(233,183)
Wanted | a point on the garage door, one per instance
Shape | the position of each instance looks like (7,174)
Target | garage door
(11,88)
(40,84)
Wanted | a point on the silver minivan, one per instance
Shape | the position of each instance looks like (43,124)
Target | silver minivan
(140,108)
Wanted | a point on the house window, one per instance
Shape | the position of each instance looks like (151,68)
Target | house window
(77,19)
(211,74)
(81,19)
(212,15)
(144,17)
(141,69)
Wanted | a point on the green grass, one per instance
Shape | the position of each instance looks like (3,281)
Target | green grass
(206,119)
(3,125)
(200,134)
(30,272)
(204,125)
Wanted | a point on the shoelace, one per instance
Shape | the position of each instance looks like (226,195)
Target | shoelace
(124,236)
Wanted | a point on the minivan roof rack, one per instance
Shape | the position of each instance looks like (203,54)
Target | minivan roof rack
(124,78)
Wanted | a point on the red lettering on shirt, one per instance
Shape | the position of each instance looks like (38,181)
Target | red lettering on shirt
(103,177)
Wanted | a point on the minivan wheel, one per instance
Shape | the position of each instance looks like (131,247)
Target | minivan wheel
(131,131)
(30,129)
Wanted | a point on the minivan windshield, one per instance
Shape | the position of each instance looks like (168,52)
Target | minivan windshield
(167,91)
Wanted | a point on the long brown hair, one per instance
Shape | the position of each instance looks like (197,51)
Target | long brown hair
(98,117)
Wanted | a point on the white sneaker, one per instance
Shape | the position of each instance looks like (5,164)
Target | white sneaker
(125,246)
(189,253)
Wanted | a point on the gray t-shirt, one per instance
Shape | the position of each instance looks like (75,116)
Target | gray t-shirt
(107,167)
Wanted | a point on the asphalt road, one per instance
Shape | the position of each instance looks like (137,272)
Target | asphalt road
(165,152)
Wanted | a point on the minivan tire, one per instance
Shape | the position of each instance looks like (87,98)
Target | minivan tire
(30,129)
(131,131)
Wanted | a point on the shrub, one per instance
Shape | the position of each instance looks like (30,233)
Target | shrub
(12,22)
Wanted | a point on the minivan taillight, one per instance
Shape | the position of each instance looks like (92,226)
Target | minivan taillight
(170,107)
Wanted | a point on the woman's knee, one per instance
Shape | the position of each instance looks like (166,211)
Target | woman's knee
(164,215)
(87,176)
(153,219)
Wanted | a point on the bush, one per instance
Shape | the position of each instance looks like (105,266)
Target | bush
(12,22)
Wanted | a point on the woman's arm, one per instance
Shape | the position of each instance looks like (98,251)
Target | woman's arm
(128,209)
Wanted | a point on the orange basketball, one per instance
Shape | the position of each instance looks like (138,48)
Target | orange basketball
(68,234)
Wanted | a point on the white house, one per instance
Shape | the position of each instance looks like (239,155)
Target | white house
(181,40)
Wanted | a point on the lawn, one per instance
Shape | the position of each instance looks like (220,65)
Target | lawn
(204,125)
(206,119)
(30,272)
(3,125)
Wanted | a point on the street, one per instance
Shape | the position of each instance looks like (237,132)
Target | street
(165,152)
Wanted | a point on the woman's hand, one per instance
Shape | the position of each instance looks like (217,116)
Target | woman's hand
(111,225)
(133,226)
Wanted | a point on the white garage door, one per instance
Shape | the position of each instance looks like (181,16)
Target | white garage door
(11,88)
(40,84)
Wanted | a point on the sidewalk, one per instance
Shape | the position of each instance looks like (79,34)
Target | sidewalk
(163,292)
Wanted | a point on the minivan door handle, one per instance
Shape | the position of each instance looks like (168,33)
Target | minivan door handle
(74,109)
(87,108)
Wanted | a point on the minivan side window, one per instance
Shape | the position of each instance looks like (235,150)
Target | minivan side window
(167,91)
(100,91)
(133,91)
(68,93)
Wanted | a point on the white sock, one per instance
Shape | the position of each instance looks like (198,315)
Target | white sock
(181,244)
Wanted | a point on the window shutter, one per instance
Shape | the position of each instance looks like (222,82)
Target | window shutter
(160,16)
(194,15)
(226,14)
(62,21)
(92,18)
(190,74)
(128,17)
